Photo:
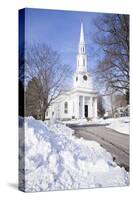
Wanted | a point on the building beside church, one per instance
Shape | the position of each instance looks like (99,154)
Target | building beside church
(81,101)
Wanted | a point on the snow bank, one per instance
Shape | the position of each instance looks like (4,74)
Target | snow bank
(56,160)
(120,124)
(77,121)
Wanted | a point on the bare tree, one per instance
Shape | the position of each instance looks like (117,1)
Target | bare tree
(101,109)
(119,101)
(21,81)
(50,75)
(112,37)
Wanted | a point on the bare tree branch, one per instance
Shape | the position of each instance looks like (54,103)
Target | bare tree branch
(112,37)
(45,75)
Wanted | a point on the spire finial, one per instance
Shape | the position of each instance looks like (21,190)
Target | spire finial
(82,34)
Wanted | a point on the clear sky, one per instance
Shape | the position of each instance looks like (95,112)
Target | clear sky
(61,30)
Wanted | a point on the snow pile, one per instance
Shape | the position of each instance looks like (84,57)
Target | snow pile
(120,124)
(77,121)
(61,129)
(56,160)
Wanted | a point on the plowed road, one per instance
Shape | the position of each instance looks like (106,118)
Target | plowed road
(114,142)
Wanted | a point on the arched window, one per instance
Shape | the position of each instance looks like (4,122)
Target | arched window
(66,107)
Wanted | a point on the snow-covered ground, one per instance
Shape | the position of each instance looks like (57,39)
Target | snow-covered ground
(120,124)
(77,121)
(56,160)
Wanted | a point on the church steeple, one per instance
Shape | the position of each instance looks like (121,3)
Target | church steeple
(82,79)
(82,57)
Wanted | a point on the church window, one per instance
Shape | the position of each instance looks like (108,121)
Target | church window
(66,107)
(85,77)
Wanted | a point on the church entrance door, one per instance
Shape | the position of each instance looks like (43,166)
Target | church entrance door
(86,111)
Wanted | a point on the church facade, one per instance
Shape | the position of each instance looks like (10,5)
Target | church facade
(81,101)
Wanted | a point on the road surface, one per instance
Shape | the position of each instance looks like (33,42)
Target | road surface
(114,142)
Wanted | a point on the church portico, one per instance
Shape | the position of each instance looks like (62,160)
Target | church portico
(87,107)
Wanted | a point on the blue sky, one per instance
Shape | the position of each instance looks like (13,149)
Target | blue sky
(61,30)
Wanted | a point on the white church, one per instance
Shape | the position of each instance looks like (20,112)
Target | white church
(81,101)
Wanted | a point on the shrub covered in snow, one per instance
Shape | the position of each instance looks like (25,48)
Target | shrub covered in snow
(122,111)
(120,124)
(56,160)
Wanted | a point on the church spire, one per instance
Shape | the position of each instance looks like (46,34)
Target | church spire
(82,56)
(82,41)
(82,79)
(82,35)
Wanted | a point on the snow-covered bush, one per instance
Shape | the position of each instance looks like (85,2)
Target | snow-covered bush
(122,111)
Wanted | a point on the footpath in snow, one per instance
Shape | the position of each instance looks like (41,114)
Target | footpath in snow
(56,160)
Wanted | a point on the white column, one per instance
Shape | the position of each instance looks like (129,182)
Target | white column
(77,107)
(83,107)
(95,105)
